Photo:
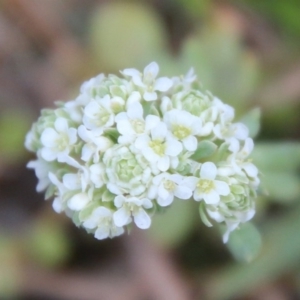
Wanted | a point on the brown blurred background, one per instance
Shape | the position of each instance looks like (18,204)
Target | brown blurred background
(247,52)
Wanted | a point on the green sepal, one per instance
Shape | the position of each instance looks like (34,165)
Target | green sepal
(112,133)
(237,189)
(252,121)
(108,196)
(205,149)
(50,191)
(203,215)
(245,242)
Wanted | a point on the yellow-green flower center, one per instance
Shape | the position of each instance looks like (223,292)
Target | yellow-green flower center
(62,142)
(181,131)
(158,146)
(169,185)
(205,185)
(138,125)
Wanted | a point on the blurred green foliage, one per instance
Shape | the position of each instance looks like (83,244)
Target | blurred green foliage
(131,34)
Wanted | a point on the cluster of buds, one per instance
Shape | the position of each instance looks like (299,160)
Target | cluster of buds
(129,145)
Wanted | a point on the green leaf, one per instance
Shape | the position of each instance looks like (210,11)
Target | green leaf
(113,134)
(48,243)
(203,215)
(277,156)
(252,121)
(205,149)
(283,187)
(172,226)
(126,34)
(245,242)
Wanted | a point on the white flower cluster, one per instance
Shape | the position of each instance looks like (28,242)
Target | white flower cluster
(128,145)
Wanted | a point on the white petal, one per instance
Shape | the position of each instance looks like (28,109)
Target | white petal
(151,121)
(159,131)
(222,187)
(150,155)
(142,142)
(150,96)
(216,215)
(72,134)
(71,181)
(248,146)
(87,152)
(208,171)
(163,163)
(57,205)
(121,217)
(102,233)
(135,111)
(48,154)
(131,72)
(183,192)
(78,201)
(207,129)
(147,203)
(141,219)
(83,133)
(250,169)
(165,201)
(234,145)
(163,84)
(125,127)
(162,192)
(173,147)
(211,198)
(61,125)
(190,143)
(119,200)
(134,97)
(151,70)
(49,137)
(241,131)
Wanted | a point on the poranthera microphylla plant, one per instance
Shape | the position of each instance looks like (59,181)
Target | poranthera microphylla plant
(128,145)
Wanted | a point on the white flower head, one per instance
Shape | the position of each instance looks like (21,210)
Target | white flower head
(100,113)
(131,123)
(58,141)
(101,220)
(207,187)
(95,143)
(132,207)
(183,127)
(148,82)
(167,186)
(159,147)
(129,142)
(42,169)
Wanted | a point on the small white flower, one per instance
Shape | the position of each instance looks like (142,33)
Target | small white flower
(80,200)
(78,181)
(132,207)
(238,159)
(207,187)
(159,148)
(41,169)
(57,142)
(75,108)
(127,172)
(95,143)
(102,219)
(100,113)
(97,174)
(184,126)
(165,186)
(131,124)
(148,81)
